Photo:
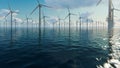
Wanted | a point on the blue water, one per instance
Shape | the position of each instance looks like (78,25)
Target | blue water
(79,48)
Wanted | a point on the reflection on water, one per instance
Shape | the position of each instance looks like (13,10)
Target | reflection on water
(54,48)
(113,60)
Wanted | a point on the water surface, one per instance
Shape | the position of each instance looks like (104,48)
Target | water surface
(79,48)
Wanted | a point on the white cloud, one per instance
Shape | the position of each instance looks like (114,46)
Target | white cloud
(71,3)
(86,14)
(4,12)
(53,20)
(18,20)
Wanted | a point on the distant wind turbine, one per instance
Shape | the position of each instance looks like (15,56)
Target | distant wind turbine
(69,15)
(80,20)
(27,19)
(59,20)
(5,22)
(15,22)
(54,24)
(76,24)
(11,16)
(87,21)
(32,21)
(39,6)
(44,20)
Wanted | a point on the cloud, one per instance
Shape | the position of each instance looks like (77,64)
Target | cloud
(4,12)
(53,20)
(71,3)
(86,14)
(18,20)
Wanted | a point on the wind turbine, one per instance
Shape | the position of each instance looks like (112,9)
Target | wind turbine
(91,22)
(32,22)
(80,20)
(69,15)
(15,22)
(76,24)
(110,18)
(39,6)
(11,16)
(5,22)
(54,24)
(87,21)
(44,20)
(59,20)
(27,19)
(64,24)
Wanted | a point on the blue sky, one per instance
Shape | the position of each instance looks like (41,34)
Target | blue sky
(85,7)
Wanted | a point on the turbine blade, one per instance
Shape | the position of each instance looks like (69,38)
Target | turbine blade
(73,14)
(79,14)
(15,12)
(34,10)
(117,9)
(80,18)
(68,10)
(38,1)
(26,16)
(7,14)
(112,5)
(43,13)
(66,16)
(98,2)
(47,17)
(9,7)
(5,20)
(46,6)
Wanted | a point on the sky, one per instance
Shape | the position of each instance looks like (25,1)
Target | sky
(86,8)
